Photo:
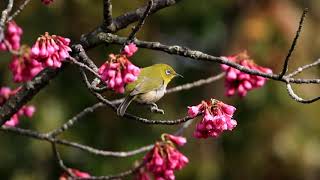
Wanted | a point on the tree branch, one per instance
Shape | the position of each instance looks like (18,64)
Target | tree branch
(198,55)
(132,35)
(17,101)
(85,148)
(26,93)
(302,68)
(293,45)
(60,161)
(90,39)
(120,175)
(299,99)
(4,16)
(107,15)
(17,12)
(74,120)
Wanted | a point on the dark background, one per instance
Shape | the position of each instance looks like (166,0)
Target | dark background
(276,137)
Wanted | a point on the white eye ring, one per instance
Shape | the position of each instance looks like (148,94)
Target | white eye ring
(168,72)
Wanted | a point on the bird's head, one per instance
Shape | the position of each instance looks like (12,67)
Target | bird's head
(167,73)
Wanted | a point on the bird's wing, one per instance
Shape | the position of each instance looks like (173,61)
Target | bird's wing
(146,85)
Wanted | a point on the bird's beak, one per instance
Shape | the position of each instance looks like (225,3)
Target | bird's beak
(179,75)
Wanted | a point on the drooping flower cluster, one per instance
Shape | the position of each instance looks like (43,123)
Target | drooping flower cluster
(12,37)
(217,117)
(75,172)
(237,81)
(27,111)
(164,158)
(117,71)
(24,67)
(46,2)
(51,50)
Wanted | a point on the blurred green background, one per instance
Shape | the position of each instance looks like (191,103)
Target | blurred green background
(276,137)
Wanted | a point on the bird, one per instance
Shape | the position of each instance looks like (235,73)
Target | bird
(149,87)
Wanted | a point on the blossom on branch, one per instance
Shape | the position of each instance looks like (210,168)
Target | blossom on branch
(76,173)
(117,71)
(28,111)
(51,50)
(23,66)
(237,81)
(164,158)
(12,37)
(216,118)
(130,49)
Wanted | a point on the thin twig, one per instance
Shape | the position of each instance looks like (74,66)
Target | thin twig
(4,15)
(194,84)
(302,68)
(60,161)
(75,119)
(140,23)
(120,175)
(299,99)
(85,148)
(90,39)
(107,14)
(84,66)
(293,45)
(184,126)
(18,11)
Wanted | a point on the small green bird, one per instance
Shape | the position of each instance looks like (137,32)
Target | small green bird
(149,87)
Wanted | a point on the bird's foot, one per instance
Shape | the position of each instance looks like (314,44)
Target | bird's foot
(154,108)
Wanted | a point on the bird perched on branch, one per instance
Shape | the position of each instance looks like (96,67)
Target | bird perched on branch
(149,87)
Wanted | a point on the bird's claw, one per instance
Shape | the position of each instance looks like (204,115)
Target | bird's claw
(154,108)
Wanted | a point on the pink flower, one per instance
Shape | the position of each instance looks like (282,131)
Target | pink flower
(237,81)
(193,111)
(130,49)
(28,111)
(164,158)
(76,172)
(117,72)
(12,37)
(14,121)
(51,50)
(217,118)
(23,67)
(178,140)
(46,2)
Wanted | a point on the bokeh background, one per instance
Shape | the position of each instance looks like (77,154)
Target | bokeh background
(276,137)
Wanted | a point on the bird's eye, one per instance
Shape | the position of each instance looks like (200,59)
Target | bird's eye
(168,72)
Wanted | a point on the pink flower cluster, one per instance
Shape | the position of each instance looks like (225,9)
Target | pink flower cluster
(23,67)
(27,111)
(51,50)
(217,117)
(118,71)
(46,2)
(240,81)
(12,37)
(130,49)
(75,172)
(164,158)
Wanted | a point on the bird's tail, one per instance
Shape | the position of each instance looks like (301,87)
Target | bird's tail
(124,105)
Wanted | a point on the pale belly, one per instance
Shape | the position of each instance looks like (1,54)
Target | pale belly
(151,97)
